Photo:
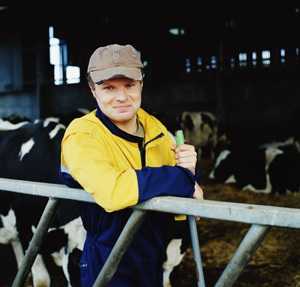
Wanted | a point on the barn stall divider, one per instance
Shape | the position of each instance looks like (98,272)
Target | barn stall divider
(261,218)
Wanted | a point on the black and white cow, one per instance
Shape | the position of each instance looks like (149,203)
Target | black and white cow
(268,168)
(10,248)
(284,170)
(31,151)
(201,130)
(15,119)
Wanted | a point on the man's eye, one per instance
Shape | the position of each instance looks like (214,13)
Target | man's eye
(130,85)
(108,88)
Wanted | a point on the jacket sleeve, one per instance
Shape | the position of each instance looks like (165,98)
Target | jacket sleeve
(165,180)
(88,161)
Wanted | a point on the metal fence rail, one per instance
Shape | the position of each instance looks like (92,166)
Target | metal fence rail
(261,217)
(239,212)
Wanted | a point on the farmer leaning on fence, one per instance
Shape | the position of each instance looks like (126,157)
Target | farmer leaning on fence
(122,156)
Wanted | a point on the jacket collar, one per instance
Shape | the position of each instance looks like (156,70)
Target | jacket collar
(151,128)
(115,130)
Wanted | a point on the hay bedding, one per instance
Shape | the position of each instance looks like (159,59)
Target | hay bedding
(275,263)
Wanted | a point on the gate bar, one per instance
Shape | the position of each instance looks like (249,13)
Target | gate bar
(231,211)
(262,217)
(196,251)
(242,255)
(35,242)
(120,247)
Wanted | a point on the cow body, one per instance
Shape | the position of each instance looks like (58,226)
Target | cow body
(265,169)
(9,248)
(201,130)
(284,170)
(31,151)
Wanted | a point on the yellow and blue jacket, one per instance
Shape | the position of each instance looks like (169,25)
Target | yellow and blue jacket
(120,170)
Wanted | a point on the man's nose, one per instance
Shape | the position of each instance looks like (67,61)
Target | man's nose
(122,95)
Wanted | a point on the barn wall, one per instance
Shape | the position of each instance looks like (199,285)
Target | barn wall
(23,104)
(265,106)
(11,63)
(65,99)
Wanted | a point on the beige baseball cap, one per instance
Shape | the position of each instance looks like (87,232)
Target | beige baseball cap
(113,61)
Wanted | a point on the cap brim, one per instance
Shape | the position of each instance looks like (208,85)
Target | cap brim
(102,75)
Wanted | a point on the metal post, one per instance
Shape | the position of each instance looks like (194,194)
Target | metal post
(35,242)
(193,228)
(120,247)
(196,251)
(243,254)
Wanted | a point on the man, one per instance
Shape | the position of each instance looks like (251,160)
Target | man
(122,156)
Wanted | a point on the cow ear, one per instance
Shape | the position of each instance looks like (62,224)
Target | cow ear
(183,115)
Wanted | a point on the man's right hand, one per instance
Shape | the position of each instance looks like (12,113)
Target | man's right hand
(198,193)
(186,156)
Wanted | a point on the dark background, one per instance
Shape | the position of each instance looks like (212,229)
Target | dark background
(251,96)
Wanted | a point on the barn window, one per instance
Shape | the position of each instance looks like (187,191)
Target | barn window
(58,53)
(187,65)
(243,59)
(232,62)
(199,64)
(213,62)
(55,58)
(176,31)
(58,75)
(254,58)
(73,74)
(51,33)
(266,57)
(282,55)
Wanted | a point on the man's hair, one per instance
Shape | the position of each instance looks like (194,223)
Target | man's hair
(90,81)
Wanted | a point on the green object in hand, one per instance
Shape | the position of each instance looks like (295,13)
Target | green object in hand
(179,137)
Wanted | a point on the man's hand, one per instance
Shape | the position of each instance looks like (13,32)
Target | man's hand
(186,156)
(198,193)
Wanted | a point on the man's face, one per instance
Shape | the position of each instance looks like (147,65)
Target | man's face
(119,99)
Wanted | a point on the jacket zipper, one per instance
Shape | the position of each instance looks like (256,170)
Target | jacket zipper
(142,148)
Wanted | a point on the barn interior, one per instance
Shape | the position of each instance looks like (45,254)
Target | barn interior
(240,63)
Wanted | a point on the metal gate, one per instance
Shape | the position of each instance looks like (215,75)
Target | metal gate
(261,218)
